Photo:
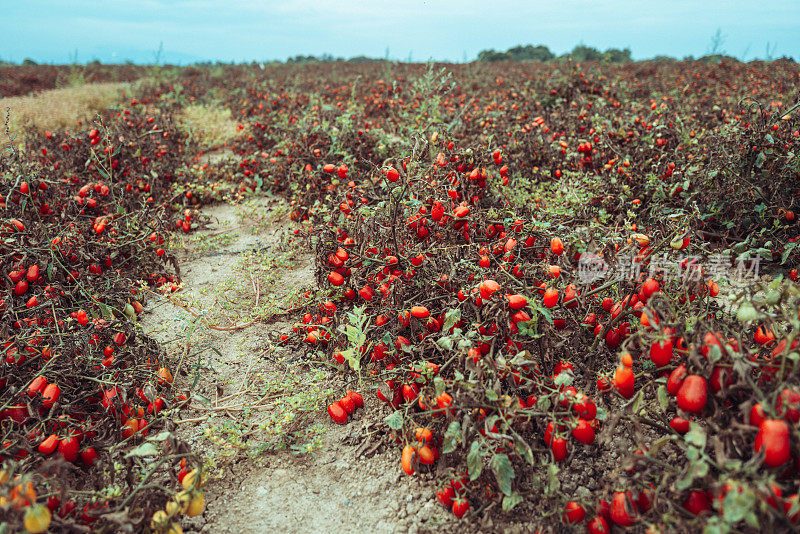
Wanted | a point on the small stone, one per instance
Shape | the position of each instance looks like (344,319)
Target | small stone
(427,510)
(410,508)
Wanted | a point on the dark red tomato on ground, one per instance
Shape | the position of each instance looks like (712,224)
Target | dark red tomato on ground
(697,502)
(50,395)
(445,496)
(49,445)
(348,404)
(598,525)
(679,425)
(583,432)
(337,413)
(623,512)
(68,448)
(574,513)
(460,507)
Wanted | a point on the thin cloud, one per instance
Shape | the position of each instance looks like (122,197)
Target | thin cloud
(441,29)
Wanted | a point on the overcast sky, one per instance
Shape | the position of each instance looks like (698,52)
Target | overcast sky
(452,30)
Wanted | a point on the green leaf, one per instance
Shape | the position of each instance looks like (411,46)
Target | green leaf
(394,420)
(510,501)
(350,356)
(546,314)
(737,505)
(553,480)
(564,378)
(747,312)
(452,437)
(696,436)
(451,318)
(145,449)
(474,460)
(445,342)
(105,311)
(697,469)
(637,400)
(161,436)
(439,385)
(788,250)
(663,399)
(714,526)
(524,450)
(504,472)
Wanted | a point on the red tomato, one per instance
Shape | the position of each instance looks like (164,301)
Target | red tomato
(460,507)
(50,395)
(89,456)
(598,525)
(408,459)
(680,425)
(357,398)
(445,496)
(661,352)
(556,246)
(623,511)
(348,404)
(756,414)
(559,448)
(550,297)
(676,379)
(68,448)
(583,432)
(37,386)
(697,502)
(773,439)
(49,444)
(337,413)
(693,394)
(624,381)
(574,513)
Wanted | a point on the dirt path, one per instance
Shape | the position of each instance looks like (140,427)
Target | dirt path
(261,478)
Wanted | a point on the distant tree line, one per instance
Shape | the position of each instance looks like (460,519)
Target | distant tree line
(542,53)
(584,53)
(581,53)
(327,58)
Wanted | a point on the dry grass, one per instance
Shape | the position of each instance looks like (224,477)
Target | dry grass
(60,109)
(211,126)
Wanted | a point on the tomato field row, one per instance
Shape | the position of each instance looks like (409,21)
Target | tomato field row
(571,288)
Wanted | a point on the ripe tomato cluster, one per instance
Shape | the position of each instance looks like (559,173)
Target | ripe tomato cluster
(341,409)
